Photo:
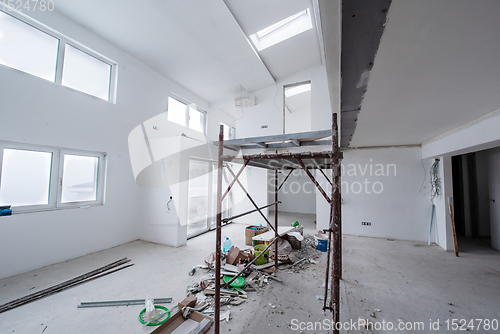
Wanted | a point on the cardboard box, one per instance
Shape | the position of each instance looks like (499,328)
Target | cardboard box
(250,233)
(177,320)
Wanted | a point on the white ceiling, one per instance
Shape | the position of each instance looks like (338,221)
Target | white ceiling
(200,44)
(436,69)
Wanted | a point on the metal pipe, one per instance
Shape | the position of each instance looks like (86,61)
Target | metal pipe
(335,300)
(250,198)
(248,212)
(235,178)
(314,181)
(328,257)
(218,232)
(326,177)
(286,178)
(276,219)
(112,303)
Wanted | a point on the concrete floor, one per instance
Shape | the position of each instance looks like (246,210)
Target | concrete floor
(406,281)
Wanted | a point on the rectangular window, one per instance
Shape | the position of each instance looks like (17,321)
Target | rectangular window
(25,177)
(27,48)
(29,180)
(31,47)
(229,131)
(186,115)
(79,178)
(86,73)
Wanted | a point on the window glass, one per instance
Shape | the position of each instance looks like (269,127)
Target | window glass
(79,181)
(228,131)
(25,177)
(27,49)
(176,111)
(86,73)
(196,119)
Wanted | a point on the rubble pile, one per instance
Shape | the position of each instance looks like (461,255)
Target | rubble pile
(254,279)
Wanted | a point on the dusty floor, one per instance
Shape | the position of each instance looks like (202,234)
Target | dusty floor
(405,282)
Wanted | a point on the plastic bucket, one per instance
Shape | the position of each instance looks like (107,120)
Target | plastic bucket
(264,258)
(321,242)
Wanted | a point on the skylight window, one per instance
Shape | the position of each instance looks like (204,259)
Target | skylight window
(283,30)
(295,90)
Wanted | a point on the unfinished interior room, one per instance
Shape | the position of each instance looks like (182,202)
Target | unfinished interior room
(258,166)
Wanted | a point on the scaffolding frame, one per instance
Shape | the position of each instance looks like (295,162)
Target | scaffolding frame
(287,161)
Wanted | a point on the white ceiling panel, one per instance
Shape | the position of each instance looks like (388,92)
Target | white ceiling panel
(217,32)
(436,69)
(151,33)
(290,56)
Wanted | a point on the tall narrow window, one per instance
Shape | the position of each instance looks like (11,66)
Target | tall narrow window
(86,73)
(27,48)
(176,111)
(196,120)
(25,177)
(79,178)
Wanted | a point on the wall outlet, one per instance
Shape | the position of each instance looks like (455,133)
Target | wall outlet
(263,126)
(366,223)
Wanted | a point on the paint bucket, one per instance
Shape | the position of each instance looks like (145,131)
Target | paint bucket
(321,241)
(264,258)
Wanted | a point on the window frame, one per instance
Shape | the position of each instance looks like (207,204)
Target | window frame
(52,181)
(187,106)
(232,131)
(56,174)
(99,179)
(63,41)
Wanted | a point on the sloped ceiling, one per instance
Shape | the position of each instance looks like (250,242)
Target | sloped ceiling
(436,69)
(201,45)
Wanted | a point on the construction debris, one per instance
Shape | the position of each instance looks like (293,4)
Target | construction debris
(98,273)
(114,303)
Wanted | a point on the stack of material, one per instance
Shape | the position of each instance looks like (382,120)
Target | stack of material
(103,271)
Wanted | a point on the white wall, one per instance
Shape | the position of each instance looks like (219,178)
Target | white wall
(494,190)
(269,108)
(480,134)
(39,112)
(297,194)
(255,182)
(382,186)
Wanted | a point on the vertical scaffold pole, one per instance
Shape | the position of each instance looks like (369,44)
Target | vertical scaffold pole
(218,231)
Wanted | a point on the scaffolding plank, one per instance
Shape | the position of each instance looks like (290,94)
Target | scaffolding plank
(302,136)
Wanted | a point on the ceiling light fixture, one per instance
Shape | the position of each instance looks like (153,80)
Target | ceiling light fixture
(285,29)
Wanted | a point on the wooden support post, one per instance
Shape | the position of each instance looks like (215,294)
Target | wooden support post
(276,220)
(218,231)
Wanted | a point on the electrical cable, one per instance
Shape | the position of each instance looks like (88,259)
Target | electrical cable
(425,172)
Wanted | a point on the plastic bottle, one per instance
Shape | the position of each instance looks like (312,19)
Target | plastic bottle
(150,309)
(254,242)
(227,245)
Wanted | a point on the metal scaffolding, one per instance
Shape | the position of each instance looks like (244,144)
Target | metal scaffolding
(304,160)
